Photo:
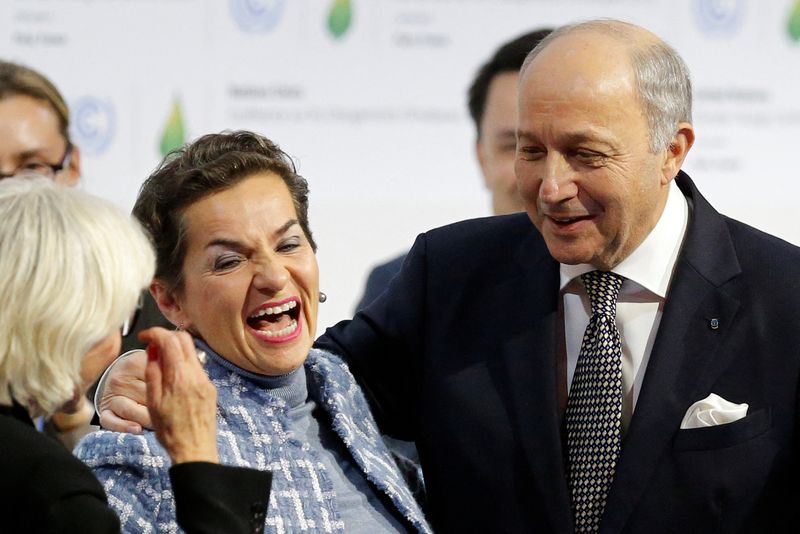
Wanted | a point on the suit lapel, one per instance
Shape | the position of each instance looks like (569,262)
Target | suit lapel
(529,367)
(684,361)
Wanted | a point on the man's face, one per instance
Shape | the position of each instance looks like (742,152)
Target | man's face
(497,144)
(29,135)
(589,181)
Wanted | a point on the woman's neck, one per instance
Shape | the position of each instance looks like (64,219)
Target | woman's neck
(291,387)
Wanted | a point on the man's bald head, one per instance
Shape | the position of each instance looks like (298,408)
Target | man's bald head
(660,76)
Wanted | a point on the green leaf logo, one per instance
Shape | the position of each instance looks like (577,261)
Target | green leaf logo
(794,22)
(340,17)
(174,135)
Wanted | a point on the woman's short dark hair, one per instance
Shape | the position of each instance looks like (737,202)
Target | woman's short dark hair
(210,164)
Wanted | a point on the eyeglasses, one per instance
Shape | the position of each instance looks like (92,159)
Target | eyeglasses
(130,323)
(40,168)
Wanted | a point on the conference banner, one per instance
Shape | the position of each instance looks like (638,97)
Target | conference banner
(369,97)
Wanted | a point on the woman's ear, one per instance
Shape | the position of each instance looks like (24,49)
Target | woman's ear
(169,304)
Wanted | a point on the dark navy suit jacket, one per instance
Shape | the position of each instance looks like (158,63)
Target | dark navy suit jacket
(460,355)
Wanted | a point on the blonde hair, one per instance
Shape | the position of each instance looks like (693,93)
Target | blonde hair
(72,267)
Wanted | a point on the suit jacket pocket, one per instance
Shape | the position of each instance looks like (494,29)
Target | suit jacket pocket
(727,435)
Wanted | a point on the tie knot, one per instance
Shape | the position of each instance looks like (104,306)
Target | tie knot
(603,289)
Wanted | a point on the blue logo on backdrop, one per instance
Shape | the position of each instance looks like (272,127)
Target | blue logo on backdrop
(93,124)
(257,16)
(719,17)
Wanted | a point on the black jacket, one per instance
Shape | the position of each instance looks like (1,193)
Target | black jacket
(44,488)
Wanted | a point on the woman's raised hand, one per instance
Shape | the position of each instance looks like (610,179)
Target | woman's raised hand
(181,400)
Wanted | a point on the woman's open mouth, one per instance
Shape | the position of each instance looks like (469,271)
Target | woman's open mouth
(277,322)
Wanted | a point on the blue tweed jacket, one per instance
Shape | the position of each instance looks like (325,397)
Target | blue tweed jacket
(252,432)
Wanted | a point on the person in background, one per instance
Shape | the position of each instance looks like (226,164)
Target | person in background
(34,138)
(71,269)
(492,101)
(34,127)
(236,268)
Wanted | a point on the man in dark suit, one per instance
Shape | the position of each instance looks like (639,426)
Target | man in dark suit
(482,347)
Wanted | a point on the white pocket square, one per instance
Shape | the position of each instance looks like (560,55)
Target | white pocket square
(713,411)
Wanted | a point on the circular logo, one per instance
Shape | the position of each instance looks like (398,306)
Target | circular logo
(257,16)
(93,124)
(719,16)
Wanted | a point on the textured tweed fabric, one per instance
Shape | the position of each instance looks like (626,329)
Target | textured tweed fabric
(252,432)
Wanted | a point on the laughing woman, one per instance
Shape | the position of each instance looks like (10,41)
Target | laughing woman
(236,268)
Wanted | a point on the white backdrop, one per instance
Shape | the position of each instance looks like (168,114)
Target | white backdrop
(369,97)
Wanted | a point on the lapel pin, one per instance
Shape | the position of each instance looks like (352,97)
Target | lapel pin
(714,323)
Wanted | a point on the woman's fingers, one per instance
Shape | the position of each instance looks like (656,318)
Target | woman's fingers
(169,351)
(153,377)
(181,399)
(122,414)
(121,403)
(110,421)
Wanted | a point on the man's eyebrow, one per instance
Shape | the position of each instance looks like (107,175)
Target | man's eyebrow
(569,137)
(506,134)
(582,137)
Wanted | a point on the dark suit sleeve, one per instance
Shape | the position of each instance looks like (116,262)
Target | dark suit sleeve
(66,494)
(87,513)
(44,488)
(383,342)
(212,498)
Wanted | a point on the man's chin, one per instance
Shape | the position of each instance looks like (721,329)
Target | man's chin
(567,252)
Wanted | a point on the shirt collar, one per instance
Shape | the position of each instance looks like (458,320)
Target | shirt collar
(653,261)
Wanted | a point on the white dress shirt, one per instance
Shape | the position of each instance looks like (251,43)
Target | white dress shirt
(648,271)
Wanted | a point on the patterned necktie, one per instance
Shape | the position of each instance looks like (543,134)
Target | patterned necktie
(594,406)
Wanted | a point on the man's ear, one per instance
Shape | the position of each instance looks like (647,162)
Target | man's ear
(71,174)
(676,152)
(169,304)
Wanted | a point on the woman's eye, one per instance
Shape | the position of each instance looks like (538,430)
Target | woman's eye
(33,166)
(289,245)
(226,262)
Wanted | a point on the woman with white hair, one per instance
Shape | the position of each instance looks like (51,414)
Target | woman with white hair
(71,270)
